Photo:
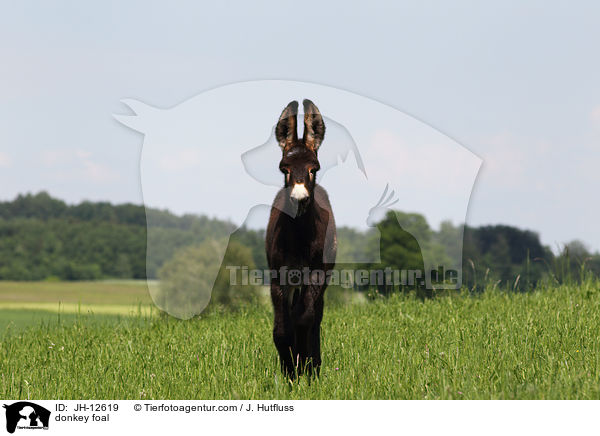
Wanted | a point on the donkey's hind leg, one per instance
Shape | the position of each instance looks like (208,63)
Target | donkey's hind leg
(316,336)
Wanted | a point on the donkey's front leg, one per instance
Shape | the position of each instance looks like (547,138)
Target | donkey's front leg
(303,315)
(282,334)
(312,327)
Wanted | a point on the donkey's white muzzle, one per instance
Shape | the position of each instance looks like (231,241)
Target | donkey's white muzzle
(299,192)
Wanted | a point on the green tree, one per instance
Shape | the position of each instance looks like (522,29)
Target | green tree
(398,247)
(188,283)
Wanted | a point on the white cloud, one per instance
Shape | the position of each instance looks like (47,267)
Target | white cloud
(435,162)
(515,162)
(77,164)
(595,115)
(5,160)
(98,172)
(83,154)
(185,158)
(52,158)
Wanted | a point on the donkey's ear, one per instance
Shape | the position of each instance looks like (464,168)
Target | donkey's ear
(314,127)
(286,131)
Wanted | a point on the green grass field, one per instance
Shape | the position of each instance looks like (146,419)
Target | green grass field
(540,345)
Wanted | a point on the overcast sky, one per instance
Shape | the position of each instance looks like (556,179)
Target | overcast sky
(518,84)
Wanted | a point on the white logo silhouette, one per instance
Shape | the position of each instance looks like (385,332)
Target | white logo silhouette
(216,154)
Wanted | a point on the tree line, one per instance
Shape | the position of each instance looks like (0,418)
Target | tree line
(43,238)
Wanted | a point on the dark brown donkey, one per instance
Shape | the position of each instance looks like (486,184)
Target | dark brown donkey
(300,242)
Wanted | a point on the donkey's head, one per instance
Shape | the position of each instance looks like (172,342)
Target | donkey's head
(299,163)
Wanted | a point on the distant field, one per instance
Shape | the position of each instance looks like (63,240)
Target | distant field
(24,304)
(100,292)
(540,345)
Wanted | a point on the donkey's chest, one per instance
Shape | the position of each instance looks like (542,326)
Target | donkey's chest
(301,243)
(301,247)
